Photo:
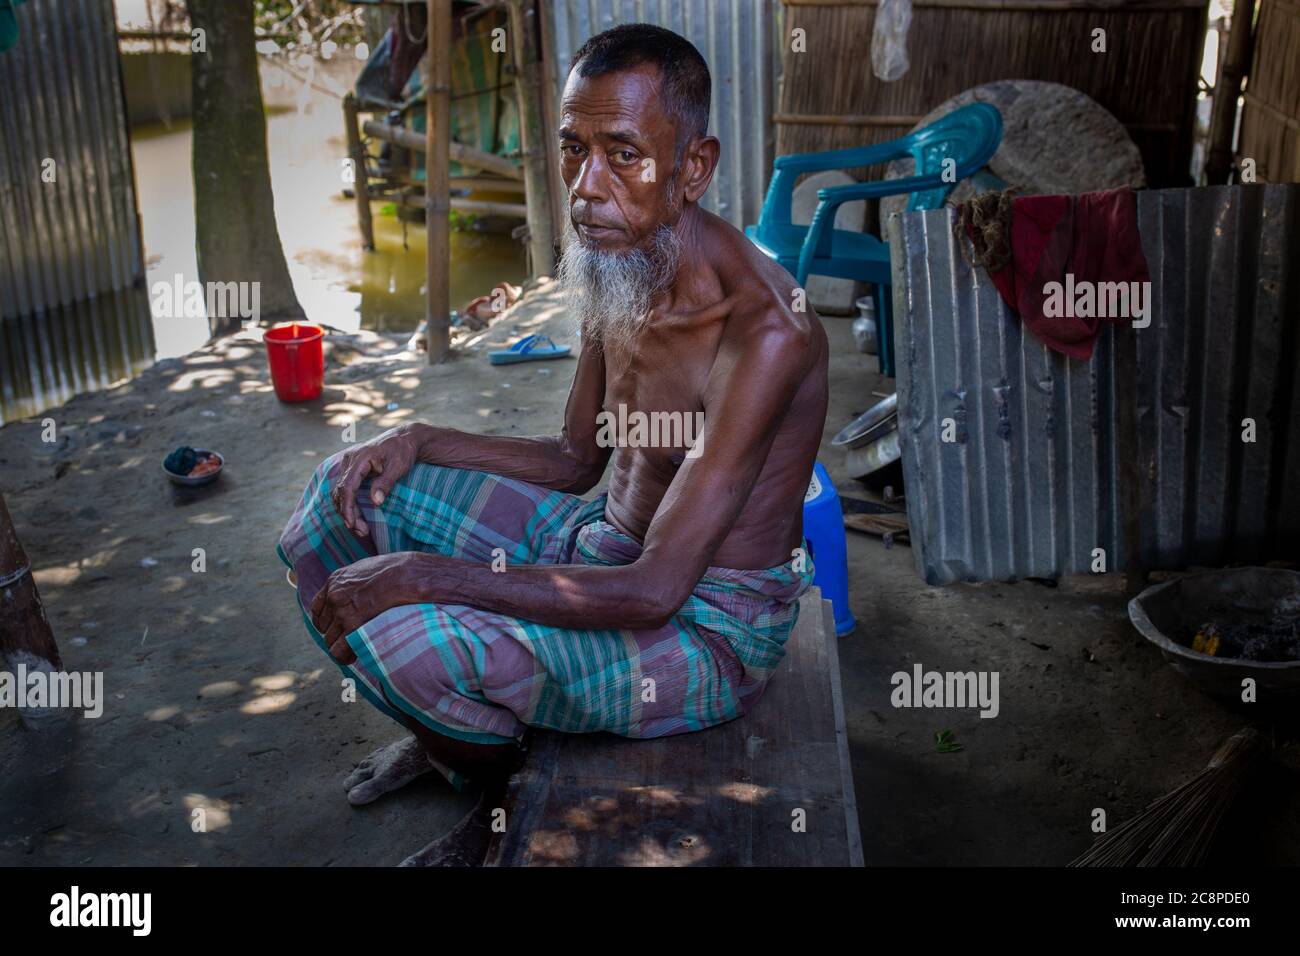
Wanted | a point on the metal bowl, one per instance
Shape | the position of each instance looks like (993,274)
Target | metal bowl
(872,424)
(207,479)
(1166,612)
(870,441)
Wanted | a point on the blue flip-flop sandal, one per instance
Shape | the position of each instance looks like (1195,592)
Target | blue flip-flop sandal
(529,349)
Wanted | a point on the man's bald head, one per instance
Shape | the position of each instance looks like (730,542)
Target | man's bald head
(635,158)
(684,81)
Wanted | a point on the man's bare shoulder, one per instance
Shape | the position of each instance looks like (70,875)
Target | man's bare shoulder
(769,318)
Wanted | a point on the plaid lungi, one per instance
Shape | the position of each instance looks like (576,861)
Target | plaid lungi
(484,677)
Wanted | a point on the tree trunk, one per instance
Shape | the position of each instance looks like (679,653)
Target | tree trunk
(234,210)
(526,45)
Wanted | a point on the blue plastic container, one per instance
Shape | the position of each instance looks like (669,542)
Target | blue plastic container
(823,527)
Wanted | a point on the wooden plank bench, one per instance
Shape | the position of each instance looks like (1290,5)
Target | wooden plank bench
(727,796)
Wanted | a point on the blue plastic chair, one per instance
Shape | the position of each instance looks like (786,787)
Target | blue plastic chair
(969,136)
(823,529)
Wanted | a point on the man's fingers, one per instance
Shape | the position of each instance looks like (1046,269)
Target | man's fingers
(346,505)
(325,615)
(382,484)
(318,603)
(336,639)
(342,652)
(333,633)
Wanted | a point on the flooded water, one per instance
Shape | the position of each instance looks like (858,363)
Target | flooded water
(97,343)
(336,281)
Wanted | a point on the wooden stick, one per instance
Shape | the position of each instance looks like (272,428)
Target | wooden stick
(487,183)
(1227,87)
(360,185)
(1271,110)
(1101,6)
(559,193)
(25,632)
(859,119)
(836,119)
(486,207)
(532,135)
(437,222)
(466,155)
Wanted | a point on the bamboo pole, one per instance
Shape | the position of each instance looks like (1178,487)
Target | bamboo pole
(488,183)
(489,207)
(843,119)
(436,186)
(1100,6)
(485,207)
(559,193)
(855,119)
(466,155)
(25,634)
(528,90)
(360,182)
(1227,87)
(24,628)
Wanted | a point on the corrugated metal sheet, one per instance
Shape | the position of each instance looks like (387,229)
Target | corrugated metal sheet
(1032,484)
(74,240)
(735,37)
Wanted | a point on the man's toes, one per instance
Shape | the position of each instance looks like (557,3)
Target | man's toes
(367,791)
(364,771)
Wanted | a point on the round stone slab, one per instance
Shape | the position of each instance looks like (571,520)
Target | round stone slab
(1055,141)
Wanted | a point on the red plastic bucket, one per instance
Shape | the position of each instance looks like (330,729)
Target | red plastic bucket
(297,361)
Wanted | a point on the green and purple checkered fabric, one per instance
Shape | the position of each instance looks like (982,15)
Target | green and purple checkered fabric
(484,677)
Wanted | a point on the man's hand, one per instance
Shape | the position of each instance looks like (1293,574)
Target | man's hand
(388,457)
(355,594)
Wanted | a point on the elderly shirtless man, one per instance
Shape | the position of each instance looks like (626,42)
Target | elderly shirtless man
(460,578)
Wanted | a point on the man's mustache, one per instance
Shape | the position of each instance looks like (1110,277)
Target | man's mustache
(580,215)
(596,224)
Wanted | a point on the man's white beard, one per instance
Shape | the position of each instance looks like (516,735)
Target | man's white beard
(611,292)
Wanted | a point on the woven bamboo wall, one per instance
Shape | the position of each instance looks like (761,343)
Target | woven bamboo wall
(1147,77)
(1270,120)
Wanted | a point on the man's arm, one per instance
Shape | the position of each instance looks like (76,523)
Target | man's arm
(571,461)
(753,382)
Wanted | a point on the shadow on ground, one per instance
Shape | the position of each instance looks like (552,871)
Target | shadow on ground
(217,701)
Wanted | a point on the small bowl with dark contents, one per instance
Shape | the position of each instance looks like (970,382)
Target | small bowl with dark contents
(192,467)
(1219,627)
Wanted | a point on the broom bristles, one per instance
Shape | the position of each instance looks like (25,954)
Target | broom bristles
(1178,828)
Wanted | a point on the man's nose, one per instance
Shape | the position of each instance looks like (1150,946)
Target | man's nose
(592,182)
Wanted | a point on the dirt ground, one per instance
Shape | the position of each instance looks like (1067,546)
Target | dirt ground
(216,698)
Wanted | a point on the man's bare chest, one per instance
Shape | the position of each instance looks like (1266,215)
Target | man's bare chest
(654,405)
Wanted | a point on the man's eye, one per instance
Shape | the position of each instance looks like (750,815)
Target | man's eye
(571,149)
(626,156)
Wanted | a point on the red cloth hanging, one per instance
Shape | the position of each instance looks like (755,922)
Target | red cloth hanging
(1075,241)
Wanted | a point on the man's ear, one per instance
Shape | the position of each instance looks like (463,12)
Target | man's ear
(699,163)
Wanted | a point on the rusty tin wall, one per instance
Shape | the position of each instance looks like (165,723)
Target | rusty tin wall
(1031,485)
(75,240)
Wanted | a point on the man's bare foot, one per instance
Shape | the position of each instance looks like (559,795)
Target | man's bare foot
(385,770)
(467,843)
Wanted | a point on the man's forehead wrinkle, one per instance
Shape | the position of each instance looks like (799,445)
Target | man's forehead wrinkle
(633,100)
(620,125)
(609,111)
